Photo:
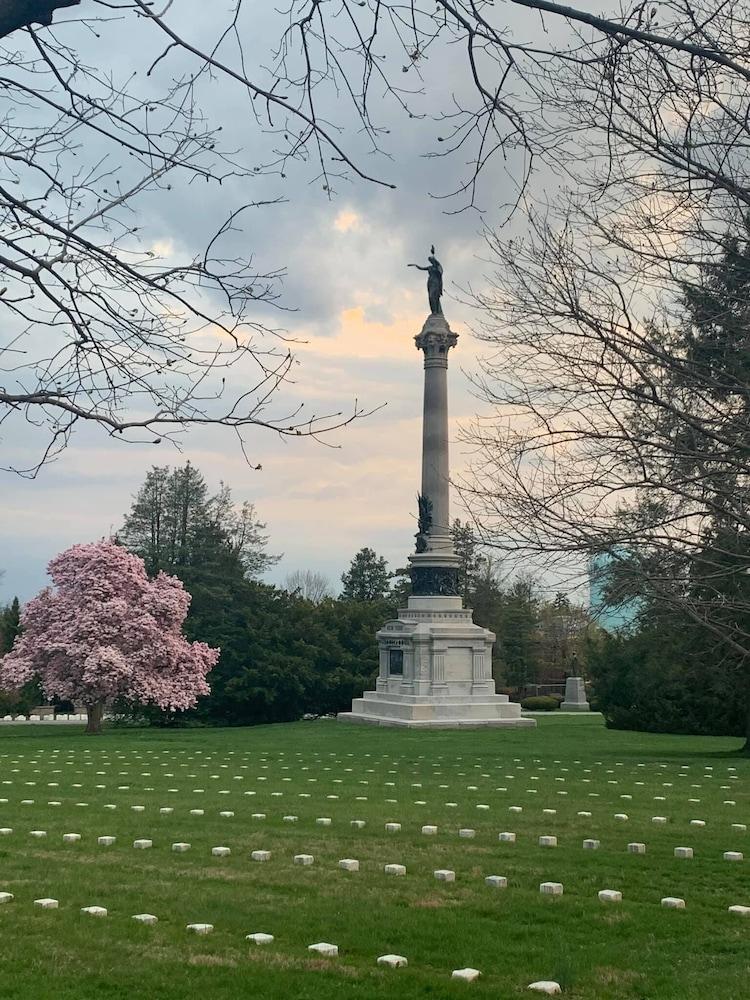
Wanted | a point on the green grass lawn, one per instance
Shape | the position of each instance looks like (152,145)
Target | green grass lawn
(635,949)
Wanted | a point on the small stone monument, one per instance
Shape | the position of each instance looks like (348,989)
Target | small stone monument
(575,696)
(435,663)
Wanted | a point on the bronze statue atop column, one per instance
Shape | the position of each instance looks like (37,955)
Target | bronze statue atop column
(434,281)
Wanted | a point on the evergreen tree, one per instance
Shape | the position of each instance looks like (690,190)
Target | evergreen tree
(518,633)
(400,587)
(9,626)
(176,526)
(472,559)
(367,578)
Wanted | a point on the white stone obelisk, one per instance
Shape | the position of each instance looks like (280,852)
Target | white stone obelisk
(435,663)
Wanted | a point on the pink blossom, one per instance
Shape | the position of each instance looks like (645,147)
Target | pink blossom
(106,631)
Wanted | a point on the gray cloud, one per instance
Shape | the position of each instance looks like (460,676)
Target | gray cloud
(320,504)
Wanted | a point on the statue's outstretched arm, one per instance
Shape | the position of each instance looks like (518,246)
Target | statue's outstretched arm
(418,267)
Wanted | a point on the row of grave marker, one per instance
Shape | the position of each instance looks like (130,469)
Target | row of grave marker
(589,844)
(323,948)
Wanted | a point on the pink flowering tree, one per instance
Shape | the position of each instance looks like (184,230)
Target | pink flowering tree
(104,630)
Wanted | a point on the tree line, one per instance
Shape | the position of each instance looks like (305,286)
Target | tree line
(298,649)
(302,649)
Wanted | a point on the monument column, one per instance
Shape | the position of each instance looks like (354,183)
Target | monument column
(433,567)
(435,340)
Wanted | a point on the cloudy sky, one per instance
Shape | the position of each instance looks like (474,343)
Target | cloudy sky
(356,309)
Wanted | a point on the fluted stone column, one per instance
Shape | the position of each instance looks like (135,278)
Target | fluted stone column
(435,340)
(433,567)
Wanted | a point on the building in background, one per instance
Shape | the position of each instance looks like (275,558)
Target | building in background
(605,610)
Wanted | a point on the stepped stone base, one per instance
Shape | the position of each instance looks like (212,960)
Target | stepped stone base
(435,672)
(432,713)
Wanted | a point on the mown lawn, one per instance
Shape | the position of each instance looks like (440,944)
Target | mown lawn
(635,949)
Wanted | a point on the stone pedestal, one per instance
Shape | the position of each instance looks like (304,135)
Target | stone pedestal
(575,696)
(435,671)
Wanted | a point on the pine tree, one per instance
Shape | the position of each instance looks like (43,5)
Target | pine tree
(176,526)
(519,632)
(468,549)
(367,578)
(9,626)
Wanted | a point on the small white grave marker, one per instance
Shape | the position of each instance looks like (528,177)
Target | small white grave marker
(636,848)
(548,841)
(673,903)
(46,904)
(145,918)
(261,855)
(142,845)
(94,911)
(496,881)
(303,859)
(323,948)
(683,852)
(467,975)
(349,865)
(260,938)
(221,852)
(200,928)
(445,875)
(395,869)
(551,888)
(610,896)
(548,986)
(393,961)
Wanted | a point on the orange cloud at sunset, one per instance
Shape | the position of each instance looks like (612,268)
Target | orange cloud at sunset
(358,336)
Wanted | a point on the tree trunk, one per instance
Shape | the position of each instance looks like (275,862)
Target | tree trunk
(15,14)
(95,715)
